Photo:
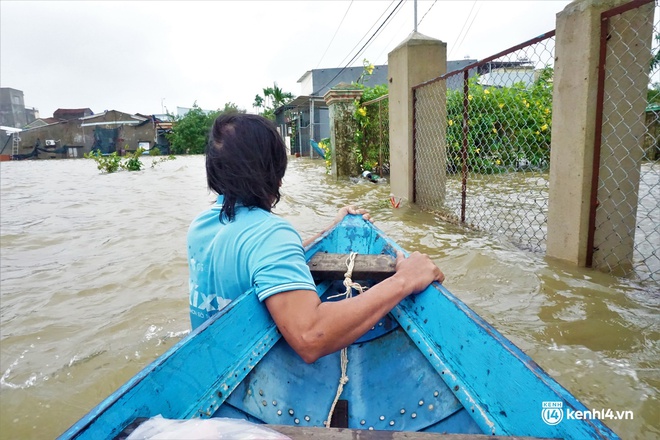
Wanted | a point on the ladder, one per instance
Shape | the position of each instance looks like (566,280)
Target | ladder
(15,143)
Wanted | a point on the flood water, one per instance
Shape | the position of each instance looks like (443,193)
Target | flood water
(93,287)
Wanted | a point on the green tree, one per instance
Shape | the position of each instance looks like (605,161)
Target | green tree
(190,132)
(273,97)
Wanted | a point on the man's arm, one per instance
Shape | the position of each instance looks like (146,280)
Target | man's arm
(314,328)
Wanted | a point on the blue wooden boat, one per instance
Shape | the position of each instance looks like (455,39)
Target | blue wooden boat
(432,365)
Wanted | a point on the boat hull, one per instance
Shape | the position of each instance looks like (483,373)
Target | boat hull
(431,365)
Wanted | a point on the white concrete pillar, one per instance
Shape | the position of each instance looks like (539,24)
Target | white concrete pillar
(573,128)
(417,59)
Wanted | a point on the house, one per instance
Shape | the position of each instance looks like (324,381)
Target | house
(13,112)
(68,114)
(307,116)
(108,132)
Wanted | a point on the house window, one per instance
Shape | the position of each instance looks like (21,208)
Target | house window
(145,145)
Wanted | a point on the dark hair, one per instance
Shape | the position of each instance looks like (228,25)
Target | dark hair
(245,162)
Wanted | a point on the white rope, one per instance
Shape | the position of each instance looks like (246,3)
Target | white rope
(350,285)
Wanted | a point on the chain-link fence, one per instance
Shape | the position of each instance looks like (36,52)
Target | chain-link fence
(625,219)
(482,142)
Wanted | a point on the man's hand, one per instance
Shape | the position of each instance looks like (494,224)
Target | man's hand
(417,271)
(343,212)
(351,209)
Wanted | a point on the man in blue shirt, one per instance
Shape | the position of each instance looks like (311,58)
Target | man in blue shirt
(239,245)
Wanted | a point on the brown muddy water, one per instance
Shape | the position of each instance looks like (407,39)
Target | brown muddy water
(93,287)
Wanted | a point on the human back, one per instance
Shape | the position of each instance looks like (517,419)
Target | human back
(238,244)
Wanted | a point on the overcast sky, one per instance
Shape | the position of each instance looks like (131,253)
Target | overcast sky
(146,56)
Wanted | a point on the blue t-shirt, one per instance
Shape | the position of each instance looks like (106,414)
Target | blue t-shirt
(257,250)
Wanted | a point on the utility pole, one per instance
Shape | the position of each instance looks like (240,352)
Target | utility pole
(415,7)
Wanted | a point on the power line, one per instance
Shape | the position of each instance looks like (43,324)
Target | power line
(469,27)
(462,28)
(367,33)
(402,26)
(427,11)
(390,42)
(363,47)
(333,37)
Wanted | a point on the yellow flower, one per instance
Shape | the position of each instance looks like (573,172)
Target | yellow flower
(527,105)
(547,111)
(370,69)
(537,132)
(487,92)
(477,150)
(544,127)
(362,111)
(501,105)
(497,162)
(470,97)
(494,130)
(451,122)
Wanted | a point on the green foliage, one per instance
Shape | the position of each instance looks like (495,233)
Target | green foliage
(107,164)
(507,126)
(113,162)
(372,125)
(273,97)
(324,144)
(155,151)
(132,162)
(162,159)
(190,132)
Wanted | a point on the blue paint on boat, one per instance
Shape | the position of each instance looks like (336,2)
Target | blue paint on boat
(432,365)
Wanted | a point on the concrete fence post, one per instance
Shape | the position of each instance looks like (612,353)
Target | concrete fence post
(417,59)
(340,101)
(574,129)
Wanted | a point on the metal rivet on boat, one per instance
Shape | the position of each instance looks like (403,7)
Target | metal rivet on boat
(391,422)
(371,428)
(380,324)
(291,411)
(274,402)
(261,392)
(362,422)
(296,421)
(279,412)
(413,415)
(456,388)
(435,394)
(421,402)
(382,417)
(249,392)
(307,418)
(431,407)
(403,411)
(264,403)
